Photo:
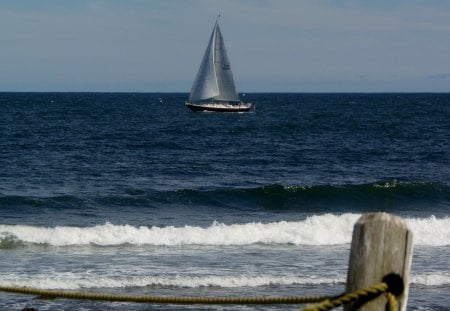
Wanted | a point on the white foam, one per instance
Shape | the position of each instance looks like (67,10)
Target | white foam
(73,281)
(431,279)
(327,229)
(431,231)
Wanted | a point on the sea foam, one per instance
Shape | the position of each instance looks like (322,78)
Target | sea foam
(73,281)
(327,229)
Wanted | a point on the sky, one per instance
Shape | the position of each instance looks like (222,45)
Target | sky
(273,45)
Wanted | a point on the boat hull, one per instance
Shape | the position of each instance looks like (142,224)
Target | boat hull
(242,107)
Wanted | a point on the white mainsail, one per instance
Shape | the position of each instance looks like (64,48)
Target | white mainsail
(214,78)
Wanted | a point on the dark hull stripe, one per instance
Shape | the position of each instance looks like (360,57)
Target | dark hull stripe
(221,109)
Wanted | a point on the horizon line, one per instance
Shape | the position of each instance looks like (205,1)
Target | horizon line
(241,93)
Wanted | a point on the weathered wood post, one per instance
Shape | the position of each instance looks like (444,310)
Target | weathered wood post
(381,245)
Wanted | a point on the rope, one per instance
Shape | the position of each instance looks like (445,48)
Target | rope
(48,294)
(392,302)
(371,292)
(392,286)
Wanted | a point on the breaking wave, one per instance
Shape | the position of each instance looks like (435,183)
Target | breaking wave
(326,229)
(73,281)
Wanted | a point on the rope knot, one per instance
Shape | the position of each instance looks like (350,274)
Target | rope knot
(395,284)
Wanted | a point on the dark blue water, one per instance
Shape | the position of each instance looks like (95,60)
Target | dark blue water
(138,192)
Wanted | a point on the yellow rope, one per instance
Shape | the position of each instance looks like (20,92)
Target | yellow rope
(370,292)
(392,302)
(392,285)
(164,299)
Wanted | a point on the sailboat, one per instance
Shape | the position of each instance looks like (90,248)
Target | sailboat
(213,88)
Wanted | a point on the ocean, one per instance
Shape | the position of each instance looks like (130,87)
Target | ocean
(132,193)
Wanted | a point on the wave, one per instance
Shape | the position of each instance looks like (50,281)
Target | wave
(73,281)
(66,281)
(326,229)
(390,194)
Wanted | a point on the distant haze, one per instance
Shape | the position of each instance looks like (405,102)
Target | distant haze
(274,46)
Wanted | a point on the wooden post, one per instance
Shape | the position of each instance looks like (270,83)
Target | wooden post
(381,245)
